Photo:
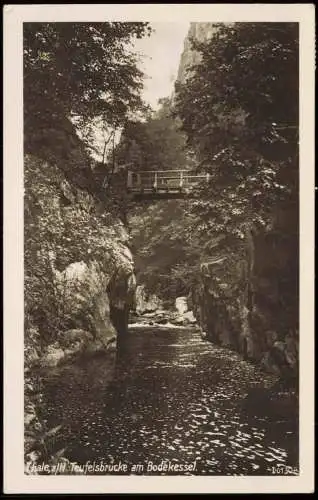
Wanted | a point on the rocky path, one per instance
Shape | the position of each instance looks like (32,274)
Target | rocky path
(176,406)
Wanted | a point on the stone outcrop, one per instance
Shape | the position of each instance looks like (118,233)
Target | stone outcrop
(199,32)
(81,261)
(248,301)
(183,316)
(79,285)
(150,312)
(181,305)
(146,302)
(246,297)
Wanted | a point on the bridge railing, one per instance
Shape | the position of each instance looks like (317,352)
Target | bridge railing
(163,180)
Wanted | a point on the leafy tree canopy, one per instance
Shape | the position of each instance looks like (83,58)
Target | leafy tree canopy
(239,110)
(154,144)
(82,71)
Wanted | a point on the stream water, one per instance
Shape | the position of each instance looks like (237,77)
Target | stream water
(174,398)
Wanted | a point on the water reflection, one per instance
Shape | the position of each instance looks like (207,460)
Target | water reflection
(171,397)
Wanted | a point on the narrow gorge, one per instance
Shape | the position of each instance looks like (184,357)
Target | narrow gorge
(161,331)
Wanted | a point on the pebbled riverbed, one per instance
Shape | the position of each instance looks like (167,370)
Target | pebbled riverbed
(174,397)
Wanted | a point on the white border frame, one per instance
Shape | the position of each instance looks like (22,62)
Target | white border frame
(14,479)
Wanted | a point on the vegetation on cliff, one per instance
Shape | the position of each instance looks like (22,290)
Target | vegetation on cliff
(78,268)
(235,245)
(239,110)
(155,143)
(75,74)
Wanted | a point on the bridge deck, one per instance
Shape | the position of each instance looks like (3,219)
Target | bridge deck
(163,183)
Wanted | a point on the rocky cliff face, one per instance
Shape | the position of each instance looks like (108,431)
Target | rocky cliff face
(79,284)
(248,300)
(247,296)
(199,32)
(146,302)
(79,271)
(243,292)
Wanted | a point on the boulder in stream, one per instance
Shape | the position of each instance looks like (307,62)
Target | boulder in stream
(145,302)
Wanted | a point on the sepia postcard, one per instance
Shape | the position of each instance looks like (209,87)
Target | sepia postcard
(159,248)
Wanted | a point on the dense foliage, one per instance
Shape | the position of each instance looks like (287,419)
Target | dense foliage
(61,227)
(74,74)
(81,73)
(155,143)
(239,110)
(81,69)
(160,231)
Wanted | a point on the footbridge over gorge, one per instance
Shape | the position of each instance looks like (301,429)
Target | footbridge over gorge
(163,183)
